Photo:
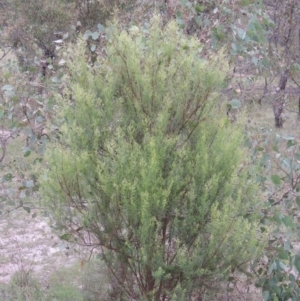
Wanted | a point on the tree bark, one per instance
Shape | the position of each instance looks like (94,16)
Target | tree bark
(278,109)
(279,104)
(283,80)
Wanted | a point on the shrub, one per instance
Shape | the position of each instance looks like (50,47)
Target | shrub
(33,27)
(22,287)
(147,170)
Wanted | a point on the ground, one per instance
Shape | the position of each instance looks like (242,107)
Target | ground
(28,243)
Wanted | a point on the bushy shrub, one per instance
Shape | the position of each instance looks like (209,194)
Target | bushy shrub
(147,169)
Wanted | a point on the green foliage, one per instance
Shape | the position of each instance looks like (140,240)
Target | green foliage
(278,270)
(147,170)
(95,282)
(18,290)
(34,26)
(24,111)
(92,12)
(24,286)
(238,25)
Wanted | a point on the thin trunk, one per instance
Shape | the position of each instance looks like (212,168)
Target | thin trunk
(279,104)
(3,151)
(278,109)
(149,281)
(283,80)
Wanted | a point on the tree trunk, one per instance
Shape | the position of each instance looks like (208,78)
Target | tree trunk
(278,105)
(278,109)
(283,80)
(299,107)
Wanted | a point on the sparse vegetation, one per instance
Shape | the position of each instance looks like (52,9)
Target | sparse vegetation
(75,283)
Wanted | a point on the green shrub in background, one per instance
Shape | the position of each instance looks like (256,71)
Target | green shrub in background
(147,170)
(22,287)
(31,31)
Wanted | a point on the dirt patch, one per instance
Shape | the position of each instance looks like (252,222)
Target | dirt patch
(28,243)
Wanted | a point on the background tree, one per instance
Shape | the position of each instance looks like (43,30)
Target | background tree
(33,27)
(143,169)
(284,51)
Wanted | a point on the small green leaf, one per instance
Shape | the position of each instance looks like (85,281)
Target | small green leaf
(27,209)
(271,201)
(93,48)
(255,60)
(260,179)
(272,267)
(37,61)
(263,229)
(241,33)
(283,255)
(276,180)
(292,278)
(37,160)
(288,222)
(101,28)
(40,119)
(22,195)
(7,88)
(27,153)
(235,103)
(266,295)
(54,79)
(7,177)
(286,163)
(178,14)
(297,263)
(297,157)
(180,22)
(29,184)
(87,34)
(66,237)
(290,143)
(287,245)
(9,93)
(288,138)
(95,35)
(199,8)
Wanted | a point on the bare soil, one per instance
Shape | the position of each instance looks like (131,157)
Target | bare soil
(29,244)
